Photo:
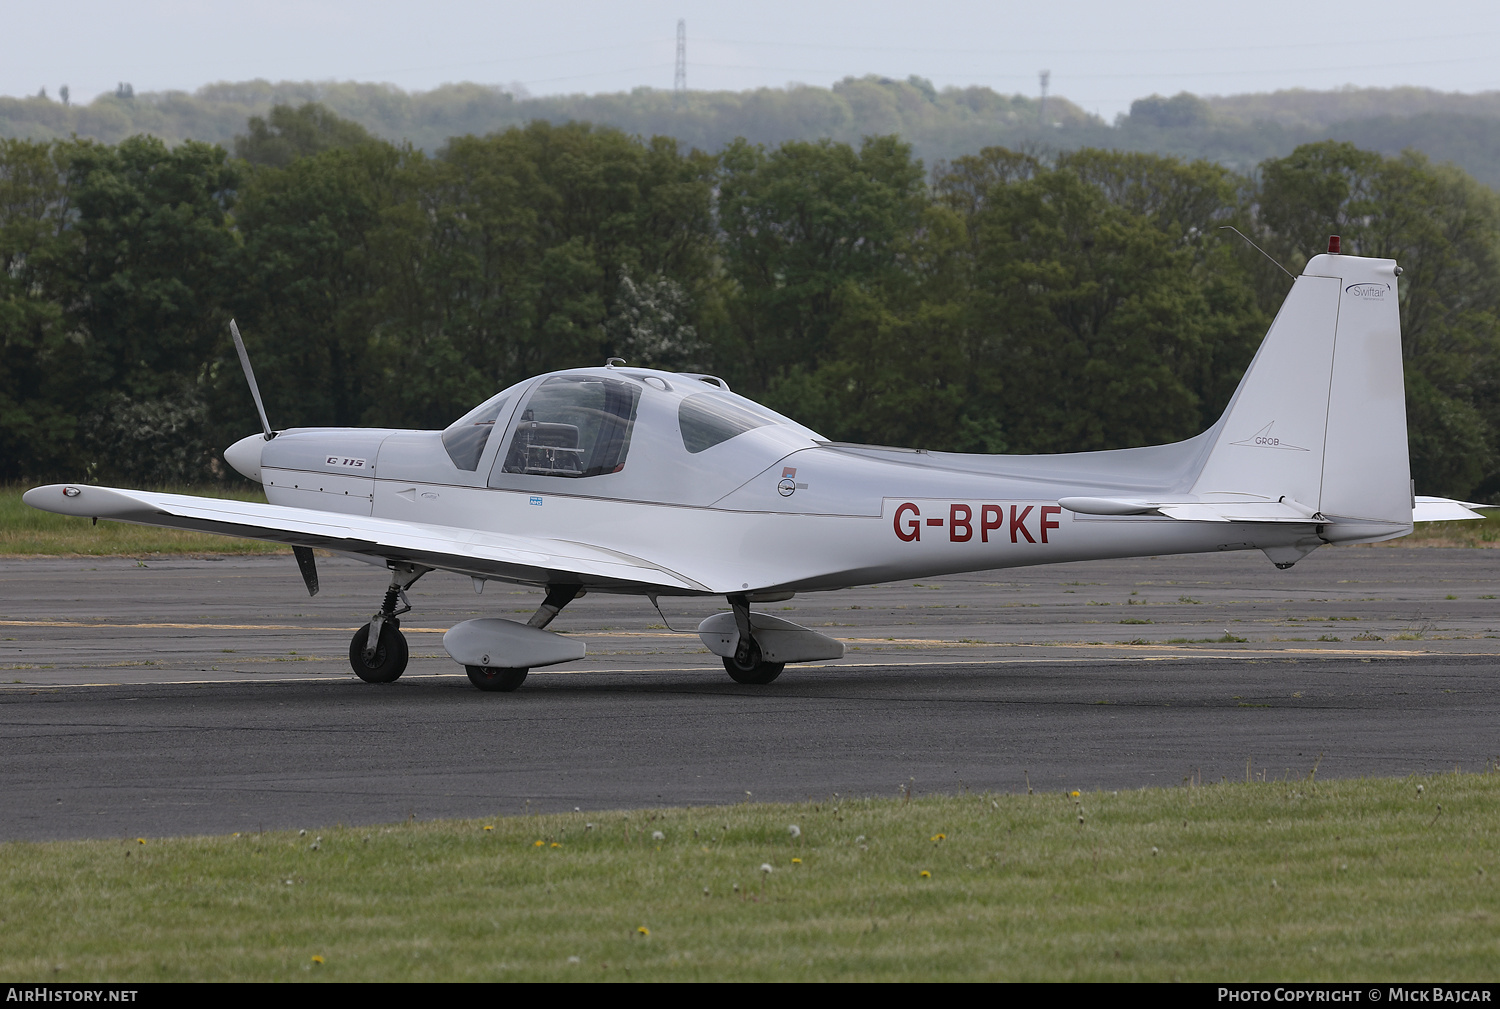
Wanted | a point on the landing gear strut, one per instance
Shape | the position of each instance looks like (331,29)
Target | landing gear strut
(378,652)
(746,665)
(504,679)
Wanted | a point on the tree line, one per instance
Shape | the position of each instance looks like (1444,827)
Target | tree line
(1003,301)
(1239,131)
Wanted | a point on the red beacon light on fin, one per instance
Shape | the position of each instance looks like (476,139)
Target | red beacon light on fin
(1333,245)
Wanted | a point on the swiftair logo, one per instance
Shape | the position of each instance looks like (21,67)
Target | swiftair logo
(1368,292)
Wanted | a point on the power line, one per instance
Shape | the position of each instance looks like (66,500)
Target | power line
(1403,41)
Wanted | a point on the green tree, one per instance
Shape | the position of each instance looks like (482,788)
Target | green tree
(285,134)
(799,225)
(39,392)
(531,235)
(320,240)
(143,292)
(1443,229)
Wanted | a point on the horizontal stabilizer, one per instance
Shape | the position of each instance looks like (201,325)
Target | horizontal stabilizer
(1242,508)
(1441,509)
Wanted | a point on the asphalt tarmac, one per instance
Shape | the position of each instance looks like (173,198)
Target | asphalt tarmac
(195,696)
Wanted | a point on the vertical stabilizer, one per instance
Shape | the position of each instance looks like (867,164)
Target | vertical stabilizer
(1319,419)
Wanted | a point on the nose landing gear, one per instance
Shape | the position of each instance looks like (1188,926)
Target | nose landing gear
(378,651)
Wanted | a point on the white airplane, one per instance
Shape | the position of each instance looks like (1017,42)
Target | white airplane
(630,480)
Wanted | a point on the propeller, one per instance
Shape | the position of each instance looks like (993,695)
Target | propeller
(239,345)
(306,562)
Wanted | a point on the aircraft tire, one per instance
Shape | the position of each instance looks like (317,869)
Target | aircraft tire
(755,671)
(496,678)
(390,657)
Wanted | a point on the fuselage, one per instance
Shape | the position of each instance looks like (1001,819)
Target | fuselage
(764,508)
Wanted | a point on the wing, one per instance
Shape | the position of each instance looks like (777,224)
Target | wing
(526,559)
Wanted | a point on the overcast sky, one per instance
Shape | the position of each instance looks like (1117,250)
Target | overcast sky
(1101,53)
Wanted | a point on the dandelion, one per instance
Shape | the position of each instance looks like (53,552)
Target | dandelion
(657,835)
(489,826)
(556,845)
(939,837)
(925,874)
(140,840)
(1074,793)
(643,931)
(765,867)
(538,844)
(795,831)
(317,959)
(796,861)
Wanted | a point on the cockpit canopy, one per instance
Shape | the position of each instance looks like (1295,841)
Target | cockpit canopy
(629,433)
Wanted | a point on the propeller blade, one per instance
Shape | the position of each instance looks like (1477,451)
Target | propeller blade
(239,345)
(308,565)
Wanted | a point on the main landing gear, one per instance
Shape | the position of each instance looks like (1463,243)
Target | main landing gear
(378,652)
(746,665)
(505,679)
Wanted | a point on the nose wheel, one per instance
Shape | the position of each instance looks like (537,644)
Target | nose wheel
(388,661)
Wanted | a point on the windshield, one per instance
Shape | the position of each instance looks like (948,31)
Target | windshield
(466,437)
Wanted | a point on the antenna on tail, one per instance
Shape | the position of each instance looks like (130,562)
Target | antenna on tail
(1332,247)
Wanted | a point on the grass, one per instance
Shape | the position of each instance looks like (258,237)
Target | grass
(27,531)
(1374,879)
(1473,533)
(1224,639)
